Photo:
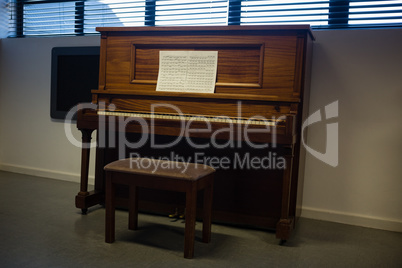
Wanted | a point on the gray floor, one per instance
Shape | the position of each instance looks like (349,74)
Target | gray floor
(40,227)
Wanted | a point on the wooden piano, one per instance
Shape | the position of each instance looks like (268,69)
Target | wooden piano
(249,129)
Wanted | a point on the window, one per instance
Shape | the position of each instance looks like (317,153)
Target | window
(371,13)
(54,18)
(109,13)
(66,17)
(314,12)
(179,12)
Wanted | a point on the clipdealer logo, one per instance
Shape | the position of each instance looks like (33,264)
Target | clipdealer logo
(330,156)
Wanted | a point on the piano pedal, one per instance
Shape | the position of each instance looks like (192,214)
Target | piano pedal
(176,215)
(182,215)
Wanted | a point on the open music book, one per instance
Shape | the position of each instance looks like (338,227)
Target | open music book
(187,71)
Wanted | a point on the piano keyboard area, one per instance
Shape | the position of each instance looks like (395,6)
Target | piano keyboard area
(199,118)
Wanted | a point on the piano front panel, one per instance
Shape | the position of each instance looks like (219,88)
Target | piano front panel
(247,59)
(253,64)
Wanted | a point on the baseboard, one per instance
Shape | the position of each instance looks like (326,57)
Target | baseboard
(45,173)
(352,219)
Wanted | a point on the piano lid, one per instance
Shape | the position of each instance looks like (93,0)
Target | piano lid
(276,27)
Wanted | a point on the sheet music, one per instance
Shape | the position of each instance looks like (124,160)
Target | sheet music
(187,71)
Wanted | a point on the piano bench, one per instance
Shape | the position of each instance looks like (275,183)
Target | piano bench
(164,175)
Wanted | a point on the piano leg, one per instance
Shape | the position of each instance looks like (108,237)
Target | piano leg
(84,198)
(286,223)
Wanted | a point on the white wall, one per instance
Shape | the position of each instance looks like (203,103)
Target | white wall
(362,69)
(30,142)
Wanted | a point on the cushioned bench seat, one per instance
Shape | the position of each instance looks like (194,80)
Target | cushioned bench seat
(164,175)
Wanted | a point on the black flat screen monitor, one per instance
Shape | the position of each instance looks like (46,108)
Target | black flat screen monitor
(75,72)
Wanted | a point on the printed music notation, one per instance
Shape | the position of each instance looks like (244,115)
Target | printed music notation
(187,71)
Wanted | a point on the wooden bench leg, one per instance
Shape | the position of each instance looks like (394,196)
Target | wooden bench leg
(207,214)
(110,209)
(189,233)
(133,208)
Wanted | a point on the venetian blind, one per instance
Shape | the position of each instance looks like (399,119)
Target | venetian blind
(62,17)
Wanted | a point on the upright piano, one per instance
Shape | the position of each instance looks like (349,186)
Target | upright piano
(249,129)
